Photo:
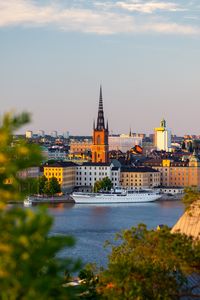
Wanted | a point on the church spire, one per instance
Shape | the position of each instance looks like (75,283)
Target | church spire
(107,126)
(100,118)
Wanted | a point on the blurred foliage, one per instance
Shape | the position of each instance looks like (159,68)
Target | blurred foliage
(148,264)
(191,194)
(31,266)
(29,186)
(14,156)
(88,283)
(42,180)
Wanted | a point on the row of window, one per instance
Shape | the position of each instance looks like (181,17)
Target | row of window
(95,173)
(95,168)
(95,179)
(52,174)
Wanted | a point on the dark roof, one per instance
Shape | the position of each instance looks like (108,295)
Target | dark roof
(115,168)
(60,164)
(91,164)
(158,163)
(138,169)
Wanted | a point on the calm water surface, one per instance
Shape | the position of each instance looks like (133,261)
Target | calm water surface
(92,225)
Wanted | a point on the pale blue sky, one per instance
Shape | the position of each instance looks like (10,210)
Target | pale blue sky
(146,54)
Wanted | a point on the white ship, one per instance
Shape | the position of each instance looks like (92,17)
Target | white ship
(122,196)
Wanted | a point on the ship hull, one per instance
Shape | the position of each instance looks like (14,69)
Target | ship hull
(81,198)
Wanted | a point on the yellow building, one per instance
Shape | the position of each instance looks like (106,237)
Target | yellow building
(139,177)
(64,172)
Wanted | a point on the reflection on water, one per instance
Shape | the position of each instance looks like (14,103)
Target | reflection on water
(170,203)
(114,205)
(60,206)
(93,224)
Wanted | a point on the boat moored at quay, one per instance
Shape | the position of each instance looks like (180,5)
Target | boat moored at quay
(35,200)
(121,196)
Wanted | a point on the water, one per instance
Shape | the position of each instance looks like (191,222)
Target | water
(92,225)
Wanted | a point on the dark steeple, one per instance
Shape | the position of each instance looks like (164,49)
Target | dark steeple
(100,118)
(107,126)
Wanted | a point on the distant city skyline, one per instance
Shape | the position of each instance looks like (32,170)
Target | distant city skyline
(55,54)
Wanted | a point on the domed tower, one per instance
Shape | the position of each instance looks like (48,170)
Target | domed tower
(100,136)
(194,160)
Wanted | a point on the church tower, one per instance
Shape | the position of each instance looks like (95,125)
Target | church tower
(100,136)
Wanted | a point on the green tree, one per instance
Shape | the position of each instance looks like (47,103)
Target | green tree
(104,184)
(29,186)
(29,264)
(41,182)
(191,194)
(30,267)
(88,284)
(148,264)
(14,156)
(52,187)
(97,186)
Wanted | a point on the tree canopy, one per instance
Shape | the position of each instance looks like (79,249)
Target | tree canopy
(191,194)
(105,184)
(30,263)
(149,264)
(14,156)
(51,187)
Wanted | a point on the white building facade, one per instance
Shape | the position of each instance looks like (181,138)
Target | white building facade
(124,142)
(88,173)
(163,137)
(56,153)
(32,172)
(29,134)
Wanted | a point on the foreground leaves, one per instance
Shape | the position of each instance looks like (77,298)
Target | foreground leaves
(14,156)
(30,267)
(147,264)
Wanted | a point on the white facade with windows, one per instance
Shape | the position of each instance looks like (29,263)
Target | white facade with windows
(56,153)
(88,173)
(123,142)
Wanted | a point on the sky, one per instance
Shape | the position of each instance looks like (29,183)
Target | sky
(55,54)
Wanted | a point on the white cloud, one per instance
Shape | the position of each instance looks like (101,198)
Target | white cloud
(28,13)
(142,7)
(24,12)
(148,7)
(172,28)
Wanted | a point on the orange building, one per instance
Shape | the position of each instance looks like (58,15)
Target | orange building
(100,136)
(178,173)
(80,147)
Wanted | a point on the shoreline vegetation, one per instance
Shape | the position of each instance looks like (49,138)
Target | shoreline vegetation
(142,265)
